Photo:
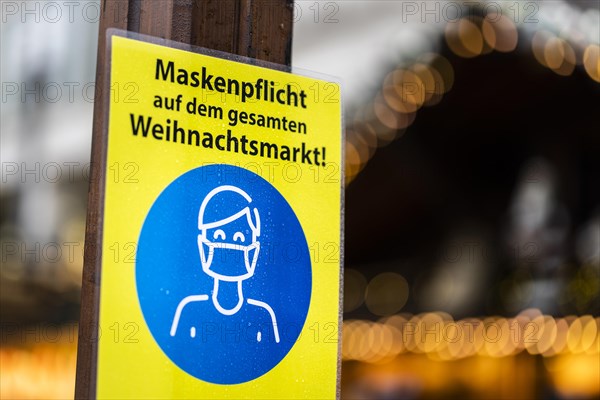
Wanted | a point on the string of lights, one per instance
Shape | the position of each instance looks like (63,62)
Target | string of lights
(560,37)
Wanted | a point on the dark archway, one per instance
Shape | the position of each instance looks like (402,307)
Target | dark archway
(458,166)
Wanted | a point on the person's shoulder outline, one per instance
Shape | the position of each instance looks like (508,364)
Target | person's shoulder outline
(182,304)
(266,307)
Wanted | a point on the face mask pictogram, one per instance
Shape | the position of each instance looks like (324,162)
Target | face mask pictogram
(228,261)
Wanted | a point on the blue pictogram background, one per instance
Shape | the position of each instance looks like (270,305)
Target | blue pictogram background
(209,345)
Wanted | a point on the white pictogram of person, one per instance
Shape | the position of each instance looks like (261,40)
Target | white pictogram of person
(234,235)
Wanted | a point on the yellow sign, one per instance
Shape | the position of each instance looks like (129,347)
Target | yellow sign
(221,235)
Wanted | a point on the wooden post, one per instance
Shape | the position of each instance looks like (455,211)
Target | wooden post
(260,29)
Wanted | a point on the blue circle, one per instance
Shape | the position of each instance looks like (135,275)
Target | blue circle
(202,339)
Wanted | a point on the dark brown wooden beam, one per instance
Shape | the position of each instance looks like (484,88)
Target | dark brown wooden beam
(260,29)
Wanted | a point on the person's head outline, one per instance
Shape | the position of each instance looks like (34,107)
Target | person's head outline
(228,222)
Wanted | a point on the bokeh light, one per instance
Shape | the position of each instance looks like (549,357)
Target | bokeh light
(559,56)
(387,293)
(500,32)
(355,285)
(591,61)
(464,38)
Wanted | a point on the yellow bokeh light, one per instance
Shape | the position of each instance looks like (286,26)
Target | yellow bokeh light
(559,56)
(464,38)
(547,336)
(367,135)
(428,335)
(589,332)
(362,348)
(554,53)
(442,66)
(396,324)
(390,119)
(348,340)
(594,349)
(440,338)
(575,376)
(382,341)
(409,87)
(574,336)
(534,330)
(538,45)
(470,36)
(395,102)
(591,61)
(385,115)
(560,341)
(455,339)
(387,293)
(352,161)
(433,84)
(384,135)
(355,285)
(359,145)
(499,32)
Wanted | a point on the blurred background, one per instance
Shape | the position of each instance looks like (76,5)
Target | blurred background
(472,238)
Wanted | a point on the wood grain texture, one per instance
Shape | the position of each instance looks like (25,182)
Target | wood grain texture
(260,29)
